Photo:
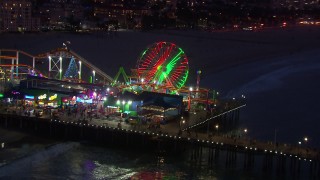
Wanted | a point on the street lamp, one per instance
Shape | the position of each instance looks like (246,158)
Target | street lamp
(245,131)
(305,139)
(123,103)
(60,68)
(129,104)
(60,71)
(50,59)
(182,121)
(118,104)
(189,99)
(93,75)
(299,148)
(79,70)
(217,128)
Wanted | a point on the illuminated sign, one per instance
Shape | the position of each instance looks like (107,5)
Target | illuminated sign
(28,97)
(83,100)
(43,96)
(53,97)
(15,92)
(1,95)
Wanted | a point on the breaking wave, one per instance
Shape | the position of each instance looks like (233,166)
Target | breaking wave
(20,165)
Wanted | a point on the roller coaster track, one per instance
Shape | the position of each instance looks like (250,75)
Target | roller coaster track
(22,52)
(21,66)
(87,63)
(83,60)
(61,50)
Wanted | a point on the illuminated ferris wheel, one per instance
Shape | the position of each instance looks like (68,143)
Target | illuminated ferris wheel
(163,63)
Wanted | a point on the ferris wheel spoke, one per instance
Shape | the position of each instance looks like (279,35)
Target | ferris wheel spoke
(157,67)
(151,55)
(163,65)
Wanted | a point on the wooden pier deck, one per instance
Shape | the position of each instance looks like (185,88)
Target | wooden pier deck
(174,130)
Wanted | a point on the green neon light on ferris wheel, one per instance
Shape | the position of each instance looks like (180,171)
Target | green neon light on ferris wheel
(158,75)
(144,52)
(161,75)
(173,61)
(171,65)
(183,80)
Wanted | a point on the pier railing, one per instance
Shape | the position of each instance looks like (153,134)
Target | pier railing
(141,137)
(203,121)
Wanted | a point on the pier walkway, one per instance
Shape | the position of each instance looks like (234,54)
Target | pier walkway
(174,130)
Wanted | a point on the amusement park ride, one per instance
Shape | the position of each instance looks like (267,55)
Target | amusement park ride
(163,68)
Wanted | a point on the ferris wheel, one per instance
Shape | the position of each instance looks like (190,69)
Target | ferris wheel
(163,63)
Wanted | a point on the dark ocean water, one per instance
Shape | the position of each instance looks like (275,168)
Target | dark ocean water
(90,162)
(282,96)
(93,162)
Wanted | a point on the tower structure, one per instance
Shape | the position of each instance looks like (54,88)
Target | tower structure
(198,82)
(72,71)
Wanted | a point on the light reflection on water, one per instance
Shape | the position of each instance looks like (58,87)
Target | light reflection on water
(92,162)
(88,162)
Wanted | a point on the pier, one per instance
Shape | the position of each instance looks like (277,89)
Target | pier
(203,148)
(167,116)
